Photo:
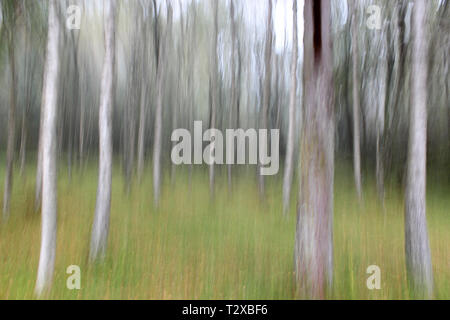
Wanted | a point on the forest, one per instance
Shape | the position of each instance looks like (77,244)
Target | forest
(224,149)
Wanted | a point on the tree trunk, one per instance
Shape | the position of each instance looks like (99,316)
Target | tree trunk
(29,74)
(141,133)
(289,162)
(23,139)
(418,256)
(213,87)
(10,149)
(314,238)
(142,107)
(102,209)
(267,82)
(233,101)
(82,129)
(158,112)
(381,113)
(48,138)
(356,102)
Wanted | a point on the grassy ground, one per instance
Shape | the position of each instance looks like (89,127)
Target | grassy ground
(238,247)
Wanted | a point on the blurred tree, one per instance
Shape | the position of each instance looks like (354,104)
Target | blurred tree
(356,99)
(314,240)
(289,161)
(10,12)
(418,256)
(49,152)
(160,78)
(100,226)
(213,88)
(263,122)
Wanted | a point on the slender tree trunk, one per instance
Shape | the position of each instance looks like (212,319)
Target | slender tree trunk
(29,72)
(267,82)
(418,256)
(213,79)
(49,170)
(23,140)
(10,149)
(233,82)
(158,112)
(289,162)
(356,101)
(71,114)
(100,226)
(314,237)
(142,108)
(381,112)
(82,129)
(38,184)
(130,134)
(141,133)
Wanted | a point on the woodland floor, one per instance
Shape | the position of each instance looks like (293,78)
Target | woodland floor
(237,247)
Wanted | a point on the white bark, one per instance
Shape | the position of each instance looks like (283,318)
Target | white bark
(418,256)
(102,209)
(213,88)
(49,171)
(289,161)
(356,107)
(233,101)
(267,83)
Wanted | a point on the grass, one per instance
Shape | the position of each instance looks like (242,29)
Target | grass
(236,247)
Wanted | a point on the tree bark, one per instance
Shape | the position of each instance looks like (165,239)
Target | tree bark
(381,114)
(158,112)
(29,74)
(289,162)
(356,103)
(10,149)
(314,237)
(100,226)
(142,107)
(418,256)
(213,87)
(233,102)
(267,82)
(48,138)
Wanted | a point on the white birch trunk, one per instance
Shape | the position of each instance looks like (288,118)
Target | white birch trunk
(289,162)
(356,107)
(213,87)
(49,166)
(418,256)
(267,82)
(102,209)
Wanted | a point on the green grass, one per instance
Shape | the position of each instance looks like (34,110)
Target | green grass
(237,247)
